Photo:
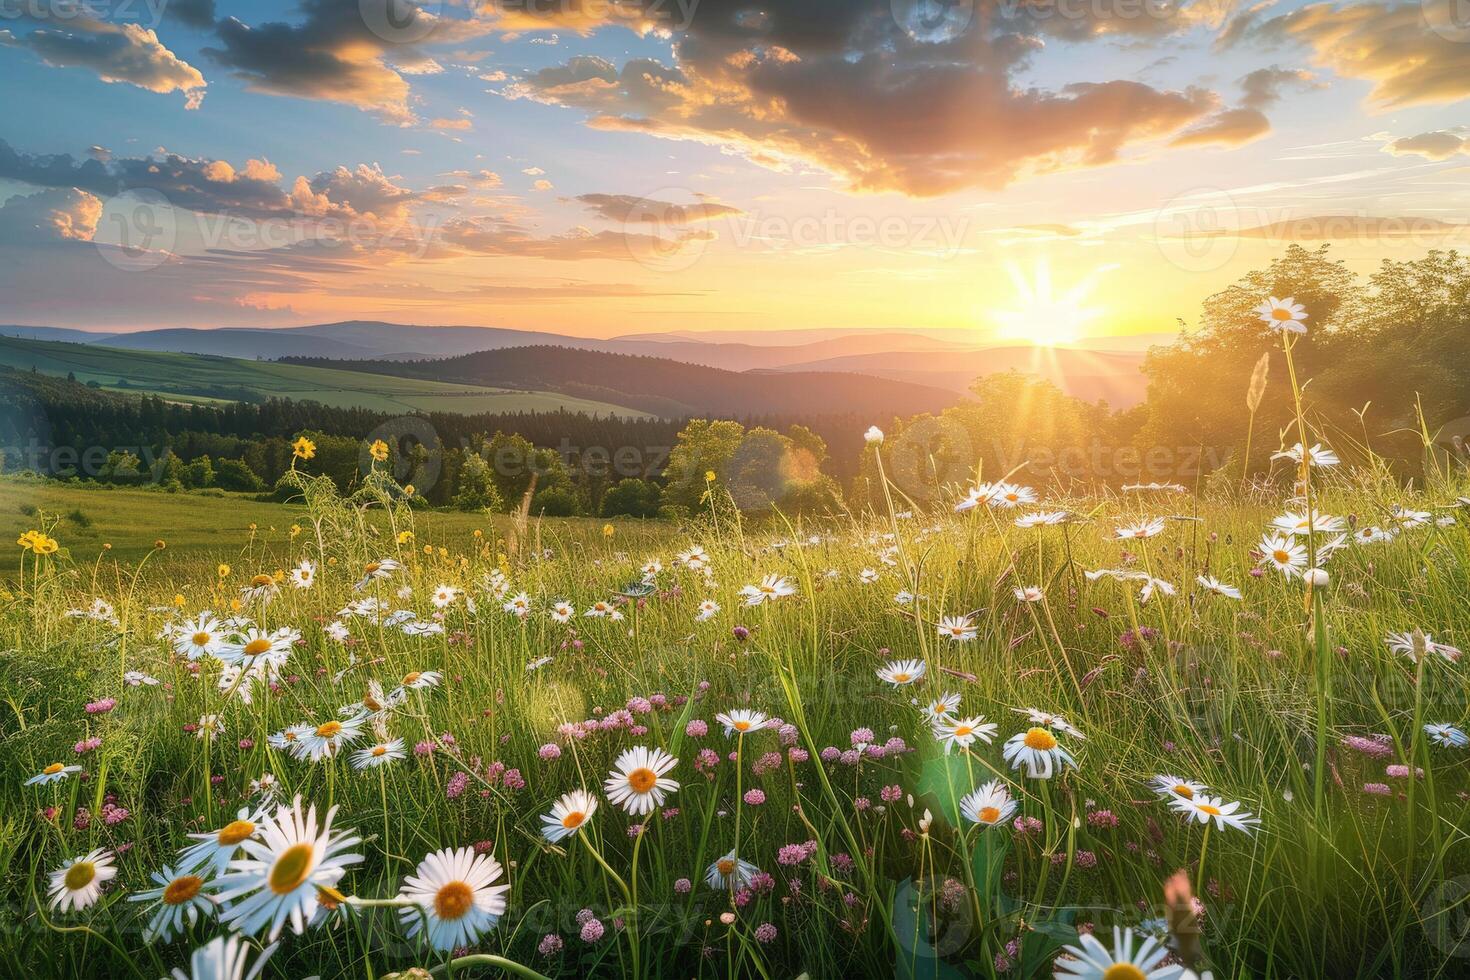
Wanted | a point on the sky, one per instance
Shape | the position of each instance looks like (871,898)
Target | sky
(1042,170)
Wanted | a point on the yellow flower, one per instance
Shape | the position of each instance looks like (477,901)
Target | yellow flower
(179,600)
(295,530)
(607,530)
(45,545)
(379,451)
(236,605)
(428,549)
(709,476)
(408,490)
(479,533)
(28,540)
(443,552)
(160,544)
(332,560)
(224,570)
(303,448)
(252,526)
(404,537)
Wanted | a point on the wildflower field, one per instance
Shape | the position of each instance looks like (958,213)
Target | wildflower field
(1010,734)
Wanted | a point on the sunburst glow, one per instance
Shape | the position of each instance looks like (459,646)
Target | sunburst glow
(1043,317)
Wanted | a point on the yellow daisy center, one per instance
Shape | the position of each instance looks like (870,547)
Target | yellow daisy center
(724,866)
(380,750)
(453,900)
(902,677)
(53,769)
(1123,971)
(256,647)
(642,779)
(328,729)
(1040,739)
(741,726)
(1213,811)
(1184,791)
(989,814)
(371,703)
(181,889)
(235,832)
(291,869)
(412,676)
(961,731)
(573,820)
(372,567)
(201,638)
(260,581)
(1281,557)
(80,875)
(1281,313)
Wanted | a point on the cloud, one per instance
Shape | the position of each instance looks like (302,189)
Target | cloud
(486,237)
(1232,127)
(628,209)
(194,13)
(1412,53)
(124,53)
(880,124)
(1438,145)
(56,214)
(1262,87)
(480,178)
(335,54)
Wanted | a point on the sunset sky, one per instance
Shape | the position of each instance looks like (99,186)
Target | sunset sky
(1050,170)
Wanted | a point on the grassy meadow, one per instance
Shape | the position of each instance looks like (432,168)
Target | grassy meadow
(834,835)
(207,378)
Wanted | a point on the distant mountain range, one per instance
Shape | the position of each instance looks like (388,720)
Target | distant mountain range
(667,388)
(945,359)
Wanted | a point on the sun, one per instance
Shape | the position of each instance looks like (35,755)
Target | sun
(1041,317)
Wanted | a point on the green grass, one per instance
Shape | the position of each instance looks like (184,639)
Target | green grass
(206,378)
(1194,685)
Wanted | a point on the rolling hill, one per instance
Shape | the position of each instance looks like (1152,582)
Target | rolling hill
(672,388)
(194,377)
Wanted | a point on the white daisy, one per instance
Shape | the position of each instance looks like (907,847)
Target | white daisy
(740,721)
(1038,750)
(454,891)
(280,878)
(1030,593)
(958,629)
(901,672)
(562,612)
(77,884)
(328,738)
(1176,786)
(1212,584)
(963,732)
(1204,808)
(730,873)
(945,704)
(224,958)
(179,902)
(988,805)
(1318,455)
(1304,523)
(1447,735)
(216,849)
(1283,314)
(1038,717)
(770,588)
(200,637)
(708,609)
(1284,554)
(53,773)
(378,755)
(303,576)
(638,780)
(1091,960)
(376,571)
(1145,529)
(443,596)
(1417,644)
(568,814)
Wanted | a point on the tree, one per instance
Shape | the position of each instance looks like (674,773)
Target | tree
(631,497)
(556,502)
(236,474)
(476,490)
(702,447)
